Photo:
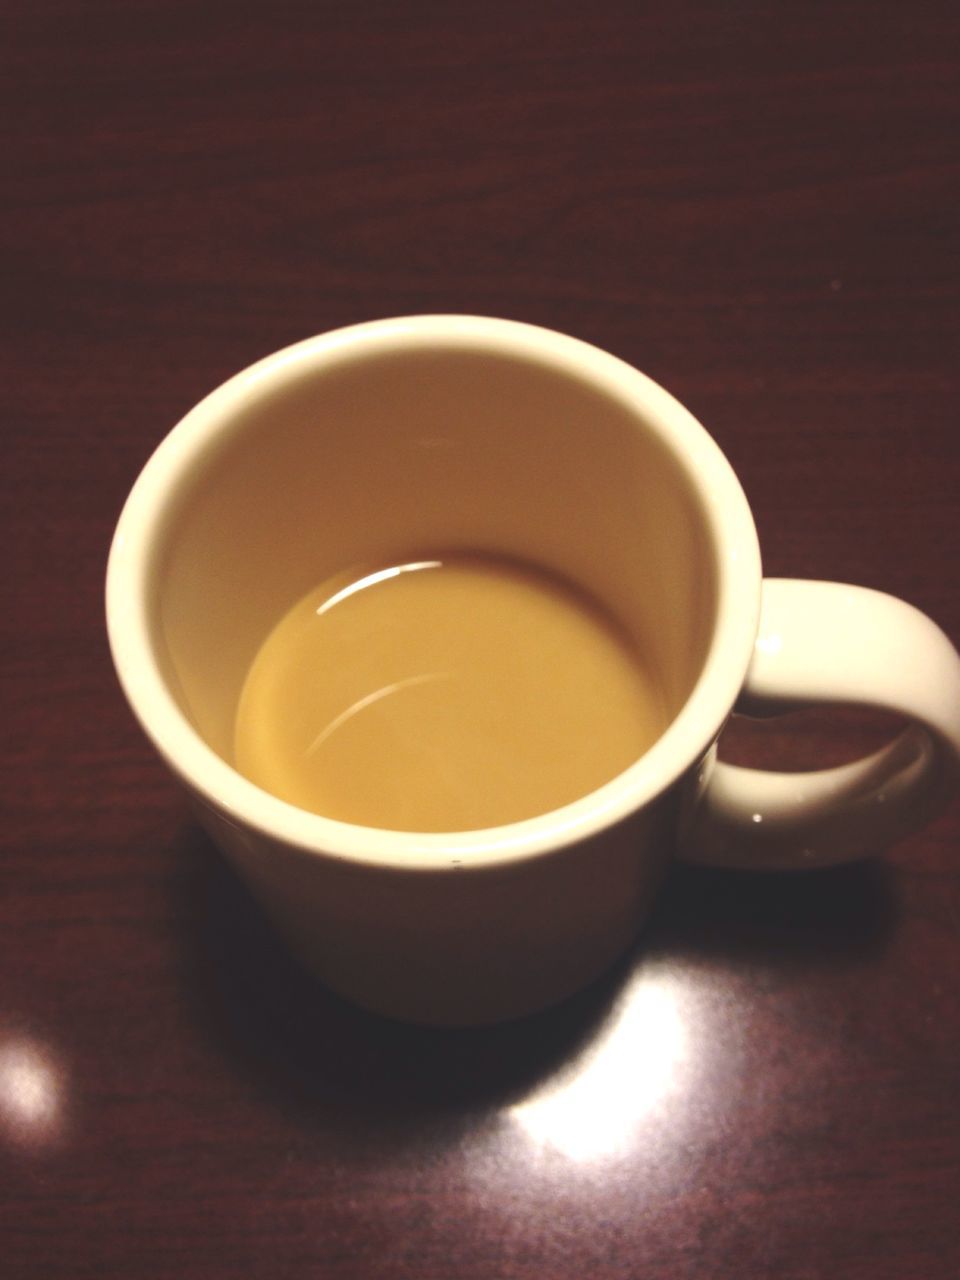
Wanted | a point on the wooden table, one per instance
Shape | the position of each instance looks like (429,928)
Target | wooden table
(756,204)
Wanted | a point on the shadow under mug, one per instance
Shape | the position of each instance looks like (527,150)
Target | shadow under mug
(488,435)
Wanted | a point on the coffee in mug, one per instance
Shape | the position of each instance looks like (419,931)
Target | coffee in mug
(445,693)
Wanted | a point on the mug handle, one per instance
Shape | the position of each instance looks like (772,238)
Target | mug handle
(823,643)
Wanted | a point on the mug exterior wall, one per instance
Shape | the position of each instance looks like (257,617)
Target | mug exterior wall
(459,946)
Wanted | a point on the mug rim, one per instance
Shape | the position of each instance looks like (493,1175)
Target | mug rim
(242,803)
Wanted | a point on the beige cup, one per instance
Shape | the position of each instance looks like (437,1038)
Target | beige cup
(494,436)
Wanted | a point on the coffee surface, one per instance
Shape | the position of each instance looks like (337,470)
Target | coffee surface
(447,694)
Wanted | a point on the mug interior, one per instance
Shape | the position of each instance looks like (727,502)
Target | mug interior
(395,442)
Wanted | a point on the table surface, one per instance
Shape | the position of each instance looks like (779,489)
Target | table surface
(754,203)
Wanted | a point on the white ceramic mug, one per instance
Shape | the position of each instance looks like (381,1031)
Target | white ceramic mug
(458,431)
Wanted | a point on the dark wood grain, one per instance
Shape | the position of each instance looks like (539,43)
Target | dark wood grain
(756,204)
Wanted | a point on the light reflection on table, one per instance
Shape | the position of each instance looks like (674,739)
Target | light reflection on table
(639,1060)
(33,1090)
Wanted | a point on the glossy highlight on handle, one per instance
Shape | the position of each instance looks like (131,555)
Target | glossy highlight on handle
(822,643)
